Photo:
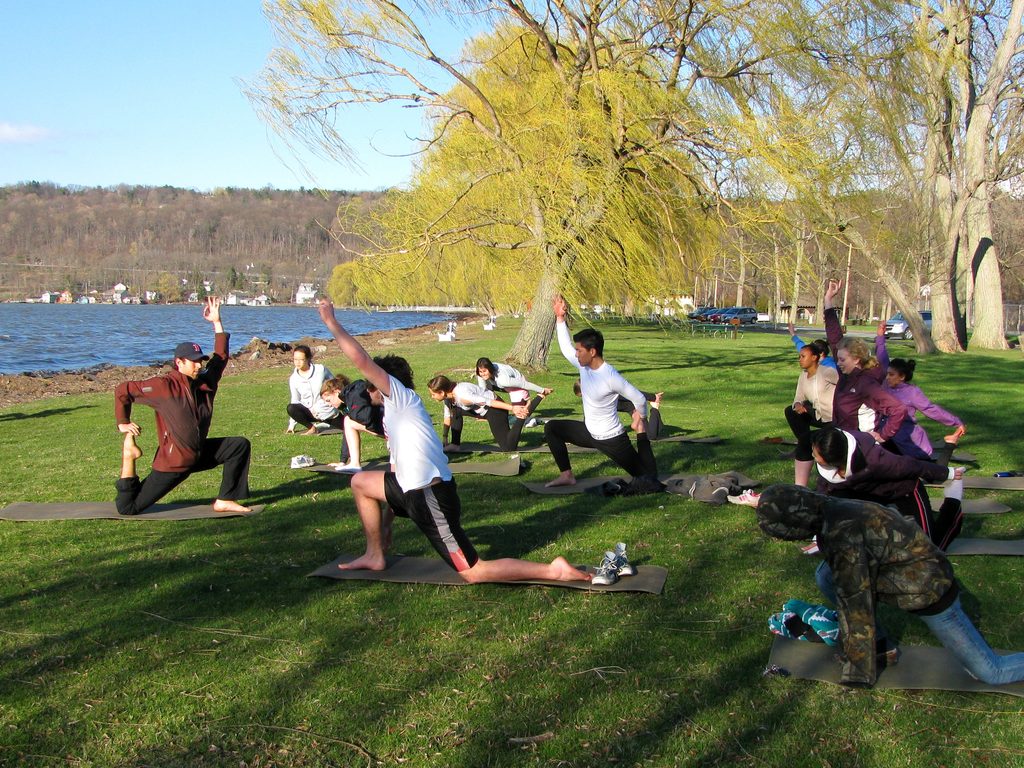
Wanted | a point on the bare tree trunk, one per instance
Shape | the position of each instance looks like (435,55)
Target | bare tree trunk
(531,347)
(989,327)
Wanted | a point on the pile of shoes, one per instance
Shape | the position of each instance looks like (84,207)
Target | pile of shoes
(614,566)
(301,462)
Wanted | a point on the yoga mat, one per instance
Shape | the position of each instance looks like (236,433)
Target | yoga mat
(471,447)
(507,468)
(583,484)
(993,483)
(986,547)
(984,507)
(430,570)
(105,510)
(920,668)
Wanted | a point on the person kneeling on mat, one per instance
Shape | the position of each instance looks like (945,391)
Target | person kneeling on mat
(420,485)
(183,401)
(874,554)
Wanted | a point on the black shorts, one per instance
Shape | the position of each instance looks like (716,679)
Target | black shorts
(436,510)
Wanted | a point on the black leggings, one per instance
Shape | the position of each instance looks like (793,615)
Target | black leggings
(302,415)
(505,436)
(941,526)
(134,497)
(800,424)
(638,462)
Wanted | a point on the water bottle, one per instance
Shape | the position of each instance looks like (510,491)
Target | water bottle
(1006,474)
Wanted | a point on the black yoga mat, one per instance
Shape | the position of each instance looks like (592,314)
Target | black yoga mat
(920,668)
(984,507)
(105,510)
(1010,547)
(429,570)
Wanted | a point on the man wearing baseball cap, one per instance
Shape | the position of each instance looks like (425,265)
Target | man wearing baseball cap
(183,401)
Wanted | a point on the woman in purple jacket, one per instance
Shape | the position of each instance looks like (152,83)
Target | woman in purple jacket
(860,402)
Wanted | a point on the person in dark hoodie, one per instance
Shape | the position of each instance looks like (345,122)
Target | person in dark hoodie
(876,555)
(183,401)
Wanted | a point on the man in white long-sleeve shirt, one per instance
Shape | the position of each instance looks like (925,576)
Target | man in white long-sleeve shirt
(601,386)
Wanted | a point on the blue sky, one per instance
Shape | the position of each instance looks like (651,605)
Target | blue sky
(108,92)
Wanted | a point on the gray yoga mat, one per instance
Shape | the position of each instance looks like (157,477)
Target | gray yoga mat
(984,507)
(105,510)
(992,483)
(507,468)
(430,570)
(987,547)
(920,667)
(471,447)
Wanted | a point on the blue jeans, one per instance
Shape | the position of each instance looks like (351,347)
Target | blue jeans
(955,631)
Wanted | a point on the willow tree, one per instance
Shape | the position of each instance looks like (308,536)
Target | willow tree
(581,140)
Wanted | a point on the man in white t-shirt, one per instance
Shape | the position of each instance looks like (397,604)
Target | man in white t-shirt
(419,485)
(601,386)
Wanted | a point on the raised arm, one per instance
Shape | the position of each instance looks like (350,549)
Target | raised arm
(354,351)
(211,313)
(565,345)
(833,328)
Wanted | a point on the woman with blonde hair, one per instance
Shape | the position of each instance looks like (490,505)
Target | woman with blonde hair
(860,402)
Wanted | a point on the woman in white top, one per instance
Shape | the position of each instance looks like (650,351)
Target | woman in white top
(465,397)
(306,406)
(504,378)
(812,405)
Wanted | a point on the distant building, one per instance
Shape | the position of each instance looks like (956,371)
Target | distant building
(305,294)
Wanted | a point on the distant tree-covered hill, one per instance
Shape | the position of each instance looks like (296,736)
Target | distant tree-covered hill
(167,239)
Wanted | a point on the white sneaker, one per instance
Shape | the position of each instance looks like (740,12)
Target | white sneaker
(748,498)
(301,462)
(531,423)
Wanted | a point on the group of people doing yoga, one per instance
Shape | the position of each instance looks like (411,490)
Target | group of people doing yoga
(870,517)
(871,552)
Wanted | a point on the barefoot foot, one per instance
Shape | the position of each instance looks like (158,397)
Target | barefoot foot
(365,563)
(563,571)
(130,450)
(227,505)
(562,479)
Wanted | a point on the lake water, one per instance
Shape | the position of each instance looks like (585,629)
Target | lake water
(62,337)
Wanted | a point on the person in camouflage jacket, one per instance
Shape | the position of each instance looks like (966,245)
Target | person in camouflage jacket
(877,555)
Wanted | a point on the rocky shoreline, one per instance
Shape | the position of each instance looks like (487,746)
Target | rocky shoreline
(257,354)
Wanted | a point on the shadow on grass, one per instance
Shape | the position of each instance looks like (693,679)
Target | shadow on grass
(20,415)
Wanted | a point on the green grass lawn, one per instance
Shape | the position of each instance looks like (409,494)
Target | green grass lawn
(202,643)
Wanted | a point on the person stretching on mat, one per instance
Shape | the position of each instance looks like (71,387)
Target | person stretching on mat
(812,405)
(360,403)
(420,485)
(853,466)
(859,401)
(499,377)
(483,404)
(183,401)
(874,555)
(600,386)
(912,440)
(307,407)
(655,426)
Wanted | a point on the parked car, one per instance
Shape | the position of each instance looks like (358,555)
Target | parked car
(704,315)
(898,326)
(699,313)
(744,314)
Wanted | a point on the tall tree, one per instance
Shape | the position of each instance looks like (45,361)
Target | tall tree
(580,137)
